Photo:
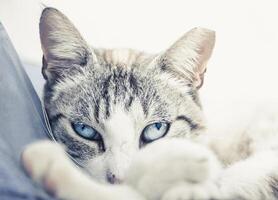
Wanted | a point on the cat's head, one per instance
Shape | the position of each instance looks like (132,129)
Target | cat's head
(105,105)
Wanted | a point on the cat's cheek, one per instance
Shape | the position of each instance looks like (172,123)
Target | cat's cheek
(97,168)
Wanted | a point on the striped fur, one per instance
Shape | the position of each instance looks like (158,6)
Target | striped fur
(121,91)
(94,85)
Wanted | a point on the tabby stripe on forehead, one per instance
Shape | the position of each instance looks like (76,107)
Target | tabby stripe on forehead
(96,110)
(133,84)
(106,96)
(129,102)
(189,121)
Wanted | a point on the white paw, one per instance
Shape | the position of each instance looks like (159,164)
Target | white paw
(187,191)
(169,162)
(47,164)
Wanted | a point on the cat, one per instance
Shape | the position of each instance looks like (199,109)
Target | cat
(134,120)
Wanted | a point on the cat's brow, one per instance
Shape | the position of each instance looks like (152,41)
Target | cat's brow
(192,125)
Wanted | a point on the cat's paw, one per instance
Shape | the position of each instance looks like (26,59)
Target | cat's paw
(47,164)
(189,191)
(169,162)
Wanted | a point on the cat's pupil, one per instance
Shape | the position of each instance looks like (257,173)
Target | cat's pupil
(158,125)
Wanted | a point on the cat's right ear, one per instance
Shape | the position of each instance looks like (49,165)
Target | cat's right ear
(63,47)
(186,59)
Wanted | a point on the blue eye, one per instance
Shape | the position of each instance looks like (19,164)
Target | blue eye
(86,131)
(154,131)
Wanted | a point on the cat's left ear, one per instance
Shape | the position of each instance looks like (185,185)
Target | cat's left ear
(188,57)
(63,47)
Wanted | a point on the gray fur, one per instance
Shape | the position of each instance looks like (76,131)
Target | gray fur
(85,85)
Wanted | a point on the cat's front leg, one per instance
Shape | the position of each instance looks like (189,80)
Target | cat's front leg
(48,165)
(175,169)
(192,191)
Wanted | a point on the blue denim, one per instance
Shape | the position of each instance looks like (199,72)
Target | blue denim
(21,122)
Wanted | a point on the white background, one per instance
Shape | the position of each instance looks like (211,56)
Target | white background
(242,73)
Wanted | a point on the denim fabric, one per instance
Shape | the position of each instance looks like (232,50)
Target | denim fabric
(21,122)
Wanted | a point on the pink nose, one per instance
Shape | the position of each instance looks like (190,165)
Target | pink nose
(111,178)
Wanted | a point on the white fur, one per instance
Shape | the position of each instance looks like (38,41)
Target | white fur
(168,163)
(121,142)
(155,169)
(171,169)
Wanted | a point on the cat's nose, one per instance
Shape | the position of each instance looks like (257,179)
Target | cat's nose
(113,179)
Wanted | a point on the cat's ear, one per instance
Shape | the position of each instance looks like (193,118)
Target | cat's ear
(63,46)
(188,57)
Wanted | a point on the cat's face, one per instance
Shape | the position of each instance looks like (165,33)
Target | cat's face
(105,105)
